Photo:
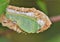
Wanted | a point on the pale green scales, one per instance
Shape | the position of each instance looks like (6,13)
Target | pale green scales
(26,23)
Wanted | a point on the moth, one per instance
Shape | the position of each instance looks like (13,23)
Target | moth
(28,20)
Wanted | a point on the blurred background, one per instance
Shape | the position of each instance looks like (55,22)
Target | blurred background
(50,8)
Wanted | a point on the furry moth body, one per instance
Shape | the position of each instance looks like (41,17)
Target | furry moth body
(42,19)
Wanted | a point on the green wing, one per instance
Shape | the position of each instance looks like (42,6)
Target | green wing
(26,23)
